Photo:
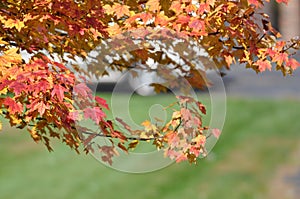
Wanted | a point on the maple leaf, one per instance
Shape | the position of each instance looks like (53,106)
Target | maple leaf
(176,7)
(196,24)
(18,87)
(101,102)
(280,58)
(41,107)
(120,10)
(13,106)
(153,5)
(203,7)
(11,23)
(114,29)
(82,90)
(263,65)
(293,63)
(10,57)
(59,91)
(94,113)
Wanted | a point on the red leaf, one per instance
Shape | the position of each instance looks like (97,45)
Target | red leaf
(59,91)
(82,90)
(13,106)
(94,113)
(102,102)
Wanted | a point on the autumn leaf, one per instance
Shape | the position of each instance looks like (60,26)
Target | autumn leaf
(176,7)
(10,57)
(13,106)
(82,91)
(11,23)
(197,24)
(153,5)
(41,107)
(113,29)
(0,125)
(58,91)
(95,113)
(102,102)
(293,63)
(33,132)
(263,65)
(120,10)
(280,58)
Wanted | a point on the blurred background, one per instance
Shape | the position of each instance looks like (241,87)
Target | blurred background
(257,155)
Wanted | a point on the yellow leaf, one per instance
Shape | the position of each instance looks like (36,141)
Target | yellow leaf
(34,134)
(14,23)
(3,91)
(0,125)
(13,120)
(11,56)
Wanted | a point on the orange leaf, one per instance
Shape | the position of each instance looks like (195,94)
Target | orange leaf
(176,7)
(120,10)
(280,58)
(293,63)
(263,65)
(153,5)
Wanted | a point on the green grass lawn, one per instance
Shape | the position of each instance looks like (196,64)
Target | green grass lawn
(257,138)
